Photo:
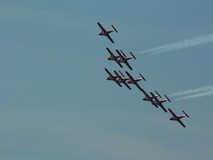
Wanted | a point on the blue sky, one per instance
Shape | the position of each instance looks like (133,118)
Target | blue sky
(55,100)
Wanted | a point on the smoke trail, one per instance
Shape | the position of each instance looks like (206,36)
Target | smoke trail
(179,45)
(209,93)
(193,91)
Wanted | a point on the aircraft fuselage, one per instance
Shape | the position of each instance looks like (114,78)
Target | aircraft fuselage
(105,33)
(176,118)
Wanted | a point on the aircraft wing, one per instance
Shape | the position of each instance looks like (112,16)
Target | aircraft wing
(137,85)
(110,38)
(118,83)
(102,28)
(126,85)
(119,64)
(110,52)
(108,72)
(144,92)
(164,109)
(181,123)
(174,115)
(155,105)
(128,65)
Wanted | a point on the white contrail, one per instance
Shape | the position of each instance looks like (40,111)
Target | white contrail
(194,91)
(179,45)
(197,95)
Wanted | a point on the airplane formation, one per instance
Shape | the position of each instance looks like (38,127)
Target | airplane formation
(120,79)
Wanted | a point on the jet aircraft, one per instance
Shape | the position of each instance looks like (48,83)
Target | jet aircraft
(107,32)
(124,59)
(158,102)
(177,118)
(112,77)
(134,81)
(122,79)
(148,97)
(113,57)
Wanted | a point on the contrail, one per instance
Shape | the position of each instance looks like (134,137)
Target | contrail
(197,95)
(179,45)
(194,93)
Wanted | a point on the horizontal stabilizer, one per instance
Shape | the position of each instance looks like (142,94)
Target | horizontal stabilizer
(167,98)
(133,55)
(114,28)
(123,53)
(142,77)
(121,73)
(158,94)
(185,114)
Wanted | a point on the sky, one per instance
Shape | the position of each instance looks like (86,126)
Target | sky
(57,104)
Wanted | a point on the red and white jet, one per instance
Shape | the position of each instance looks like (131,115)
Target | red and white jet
(124,59)
(113,57)
(122,79)
(177,118)
(134,81)
(148,97)
(113,78)
(107,32)
(158,102)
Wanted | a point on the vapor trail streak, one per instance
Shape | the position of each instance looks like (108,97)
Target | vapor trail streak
(194,91)
(197,95)
(179,45)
